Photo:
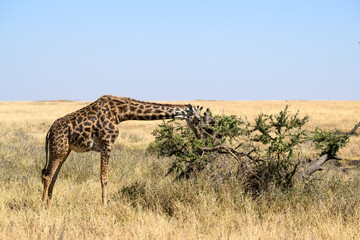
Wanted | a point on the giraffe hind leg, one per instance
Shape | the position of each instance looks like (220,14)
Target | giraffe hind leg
(50,175)
(46,182)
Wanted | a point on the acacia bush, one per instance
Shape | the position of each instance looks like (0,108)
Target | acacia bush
(267,152)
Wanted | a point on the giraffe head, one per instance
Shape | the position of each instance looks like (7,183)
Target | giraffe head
(192,116)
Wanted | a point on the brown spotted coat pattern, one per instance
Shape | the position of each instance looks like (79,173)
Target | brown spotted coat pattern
(94,128)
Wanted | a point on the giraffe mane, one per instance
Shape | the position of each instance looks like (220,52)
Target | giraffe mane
(131,100)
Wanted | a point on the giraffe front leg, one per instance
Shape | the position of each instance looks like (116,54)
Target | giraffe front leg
(105,157)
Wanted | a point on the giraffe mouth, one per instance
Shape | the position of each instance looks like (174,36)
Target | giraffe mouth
(198,132)
(196,128)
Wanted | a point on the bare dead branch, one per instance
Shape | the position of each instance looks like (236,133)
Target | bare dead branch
(317,164)
(226,150)
(352,131)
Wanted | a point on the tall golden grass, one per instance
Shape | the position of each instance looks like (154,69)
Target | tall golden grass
(144,204)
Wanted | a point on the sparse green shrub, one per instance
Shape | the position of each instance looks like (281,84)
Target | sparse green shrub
(174,139)
(280,136)
(267,152)
(329,142)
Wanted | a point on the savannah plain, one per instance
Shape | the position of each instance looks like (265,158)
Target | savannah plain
(144,204)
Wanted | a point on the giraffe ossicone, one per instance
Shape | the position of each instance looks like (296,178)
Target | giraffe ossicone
(94,128)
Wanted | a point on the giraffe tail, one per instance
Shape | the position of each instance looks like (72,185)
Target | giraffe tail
(46,151)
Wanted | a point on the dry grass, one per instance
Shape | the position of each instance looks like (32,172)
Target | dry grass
(146,205)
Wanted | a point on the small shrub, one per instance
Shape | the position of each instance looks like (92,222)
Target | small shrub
(134,192)
(329,142)
(173,139)
(280,136)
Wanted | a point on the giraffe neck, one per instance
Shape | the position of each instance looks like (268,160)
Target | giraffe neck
(152,111)
(129,109)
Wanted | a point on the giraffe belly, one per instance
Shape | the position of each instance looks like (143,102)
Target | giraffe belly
(86,146)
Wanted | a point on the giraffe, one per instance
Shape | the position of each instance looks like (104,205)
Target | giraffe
(94,128)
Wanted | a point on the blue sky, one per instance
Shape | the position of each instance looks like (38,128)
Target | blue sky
(180,50)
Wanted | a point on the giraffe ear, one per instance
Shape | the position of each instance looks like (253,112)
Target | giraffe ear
(191,108)
(196,110)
